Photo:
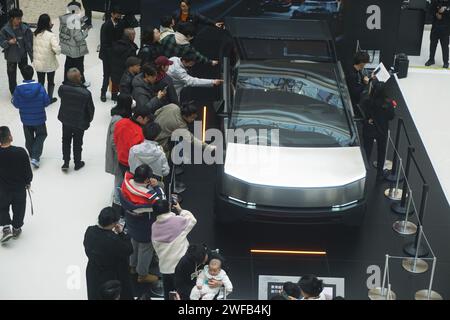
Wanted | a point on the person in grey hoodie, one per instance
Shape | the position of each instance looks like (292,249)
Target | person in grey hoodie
(150,152)
(144,92)
(72,40)
(16,39)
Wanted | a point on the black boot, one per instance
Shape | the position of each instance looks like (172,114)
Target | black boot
(65,166)
(50,90)
(103,96)
(79,165)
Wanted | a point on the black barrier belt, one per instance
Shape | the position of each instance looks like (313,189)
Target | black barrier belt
(418,170)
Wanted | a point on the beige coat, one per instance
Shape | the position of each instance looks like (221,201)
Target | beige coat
(46,48)
(169,118)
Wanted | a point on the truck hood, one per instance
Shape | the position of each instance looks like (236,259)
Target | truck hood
(294,167)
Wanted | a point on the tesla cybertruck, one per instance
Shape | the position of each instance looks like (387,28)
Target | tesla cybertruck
(305,164)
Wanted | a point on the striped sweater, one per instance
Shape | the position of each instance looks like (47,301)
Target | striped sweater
(137,193)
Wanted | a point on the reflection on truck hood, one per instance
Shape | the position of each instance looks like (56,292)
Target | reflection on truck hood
(295,167)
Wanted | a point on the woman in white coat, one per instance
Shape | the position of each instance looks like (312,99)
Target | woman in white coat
(46,48)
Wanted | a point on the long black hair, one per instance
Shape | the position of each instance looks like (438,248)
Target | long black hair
(43,24)
(123,107)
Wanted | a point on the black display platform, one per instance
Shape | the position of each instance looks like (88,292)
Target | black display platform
(349,251)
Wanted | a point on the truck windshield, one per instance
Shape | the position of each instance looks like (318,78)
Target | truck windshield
(308,111)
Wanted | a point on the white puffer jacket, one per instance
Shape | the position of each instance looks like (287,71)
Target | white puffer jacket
(46,48)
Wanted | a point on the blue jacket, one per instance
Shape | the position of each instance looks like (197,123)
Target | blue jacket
(31,99)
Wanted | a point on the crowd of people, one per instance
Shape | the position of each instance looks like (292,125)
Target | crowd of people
(145,224)
(309,287)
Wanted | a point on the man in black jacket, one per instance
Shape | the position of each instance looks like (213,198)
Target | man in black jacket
(144,92)
(122,50)
(15,178)
(378,109)
(440,30)
(133,65)
(110,32)
(356,81)
(108,249)
(76,113)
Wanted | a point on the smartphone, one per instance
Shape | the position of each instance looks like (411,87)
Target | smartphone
(165,89)
(174,199)
(172,295)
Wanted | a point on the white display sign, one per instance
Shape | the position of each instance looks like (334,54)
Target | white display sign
(381,73)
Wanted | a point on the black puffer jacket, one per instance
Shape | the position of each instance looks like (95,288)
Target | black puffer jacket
(77,108)
(145,95)
(122,50)
(126,82)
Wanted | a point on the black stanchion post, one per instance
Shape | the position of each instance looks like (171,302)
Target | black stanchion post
(415,247)
(401,207)
(392,177)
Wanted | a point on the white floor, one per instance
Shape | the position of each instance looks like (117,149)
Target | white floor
(427,91)
(48,261)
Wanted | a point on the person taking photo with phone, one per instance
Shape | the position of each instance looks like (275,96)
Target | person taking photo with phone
(169,238)
(108,249)
(144,92)
(164,82)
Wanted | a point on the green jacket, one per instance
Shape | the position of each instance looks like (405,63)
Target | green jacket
(176,45)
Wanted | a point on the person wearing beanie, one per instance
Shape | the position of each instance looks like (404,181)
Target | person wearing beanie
(164,81)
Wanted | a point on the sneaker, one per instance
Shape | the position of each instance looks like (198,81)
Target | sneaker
(149,278)
(65,166)
(79,165)
(429,63)
(35,163)
(445,65)
(16,233)
(157,289)
(53,100)
(7,234)
(103,98)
